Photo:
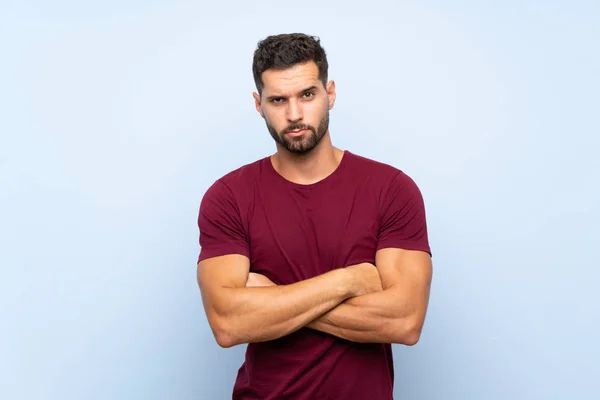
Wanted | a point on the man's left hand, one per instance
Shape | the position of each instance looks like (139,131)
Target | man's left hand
(258,280)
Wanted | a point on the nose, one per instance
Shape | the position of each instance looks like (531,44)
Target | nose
(294,111)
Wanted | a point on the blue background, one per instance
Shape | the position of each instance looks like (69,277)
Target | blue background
(116,116)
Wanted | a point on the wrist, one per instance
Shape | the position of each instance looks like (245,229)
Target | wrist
(349,286)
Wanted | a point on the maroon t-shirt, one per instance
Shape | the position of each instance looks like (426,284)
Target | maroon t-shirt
(292,232)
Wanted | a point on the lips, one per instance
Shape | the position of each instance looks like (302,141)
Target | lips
(296,132)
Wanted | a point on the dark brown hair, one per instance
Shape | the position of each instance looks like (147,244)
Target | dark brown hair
(286,50)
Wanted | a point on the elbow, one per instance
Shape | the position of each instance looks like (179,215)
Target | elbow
(224,339)
(408,332)
(223,333)
(411,338)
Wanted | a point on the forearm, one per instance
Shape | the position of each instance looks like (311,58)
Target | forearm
(256,314)
(381,317)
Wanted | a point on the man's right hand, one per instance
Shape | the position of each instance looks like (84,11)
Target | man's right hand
(365,279)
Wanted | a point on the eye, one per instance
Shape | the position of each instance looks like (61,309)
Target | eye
(277,100)
(308,95)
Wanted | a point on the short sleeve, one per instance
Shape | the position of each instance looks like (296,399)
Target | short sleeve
(220,224)
(403,222)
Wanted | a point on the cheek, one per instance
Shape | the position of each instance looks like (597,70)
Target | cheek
(318,110)
(273,119)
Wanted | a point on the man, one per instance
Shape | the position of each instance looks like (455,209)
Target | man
(316,257)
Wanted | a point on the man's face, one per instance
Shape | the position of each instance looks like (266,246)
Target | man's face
(295,106)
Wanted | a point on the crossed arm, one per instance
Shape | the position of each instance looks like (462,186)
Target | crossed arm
(394,315)
(361,303)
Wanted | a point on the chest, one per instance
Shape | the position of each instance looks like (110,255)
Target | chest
(298,234)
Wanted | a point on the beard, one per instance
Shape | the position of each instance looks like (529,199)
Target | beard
(301,144)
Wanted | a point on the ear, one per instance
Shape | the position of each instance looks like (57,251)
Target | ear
(257,103)
(331,93)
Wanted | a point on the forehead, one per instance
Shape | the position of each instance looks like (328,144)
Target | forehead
(290,80)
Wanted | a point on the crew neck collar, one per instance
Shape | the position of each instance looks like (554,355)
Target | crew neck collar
(269,166)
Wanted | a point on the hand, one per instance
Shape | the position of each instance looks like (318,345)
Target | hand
(258,280)
(366,278)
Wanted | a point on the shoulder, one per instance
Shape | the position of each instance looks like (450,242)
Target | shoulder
(236,181)
(242,176)
(384,175)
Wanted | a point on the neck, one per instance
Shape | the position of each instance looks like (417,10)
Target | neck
(309,168)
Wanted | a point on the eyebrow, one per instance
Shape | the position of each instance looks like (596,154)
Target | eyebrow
(308,89)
